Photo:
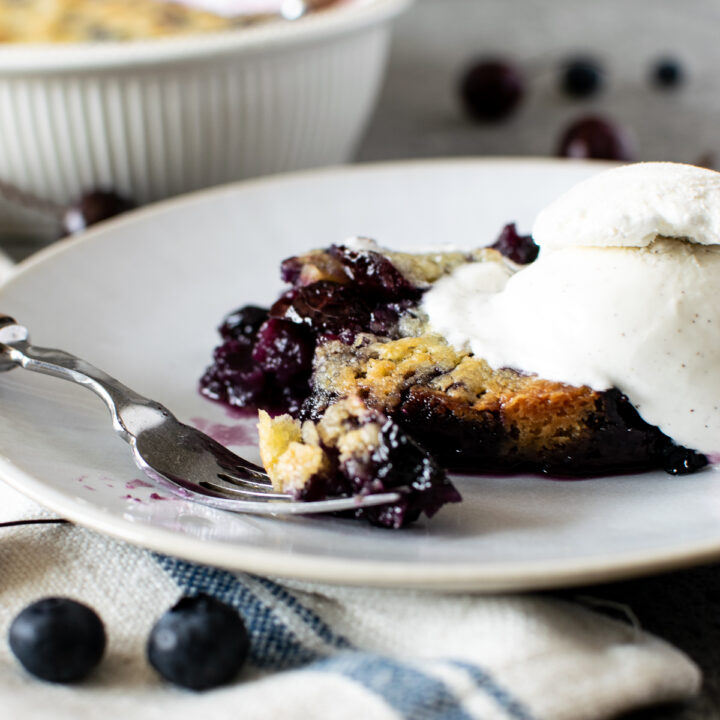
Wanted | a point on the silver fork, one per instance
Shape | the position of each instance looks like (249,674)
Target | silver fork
(186,461)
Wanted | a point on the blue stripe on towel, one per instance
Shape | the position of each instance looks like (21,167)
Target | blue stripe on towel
(514,708)
(413,694)
(322,629)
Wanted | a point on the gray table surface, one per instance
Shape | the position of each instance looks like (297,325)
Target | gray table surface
(419,116)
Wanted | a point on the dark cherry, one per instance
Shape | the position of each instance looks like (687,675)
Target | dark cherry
(373,273)
(93,207)
(596,138)
(57,639)
(683,461)
(581,77)
(668,73)
(342,311)
(200,643)
(290,269)
(518,248)
(397,462)
(491,89)
(234,378)
(325,307)
(262,362)
(244,321)
(284,349)
(384,317)
(266,356)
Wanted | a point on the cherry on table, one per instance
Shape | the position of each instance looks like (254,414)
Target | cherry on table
(92,207)
(668,73)
(581,77)
(596,138)
(491,89)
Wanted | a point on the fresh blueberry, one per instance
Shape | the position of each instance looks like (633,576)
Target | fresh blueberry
(93,207)
(596,138)
(57,639)
(668,73)
(581,77)
(199,643)
(491,89)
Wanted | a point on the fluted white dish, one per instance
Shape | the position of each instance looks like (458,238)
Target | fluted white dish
(161,117)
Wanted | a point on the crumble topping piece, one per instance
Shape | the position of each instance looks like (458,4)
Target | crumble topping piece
(353,449)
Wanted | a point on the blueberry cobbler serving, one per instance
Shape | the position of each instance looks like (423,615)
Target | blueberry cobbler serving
(379,369)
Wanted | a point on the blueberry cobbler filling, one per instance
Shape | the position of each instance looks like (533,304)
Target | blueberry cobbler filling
(372,400)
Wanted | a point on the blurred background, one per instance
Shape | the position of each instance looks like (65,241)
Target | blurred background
(436,41)
(572,78)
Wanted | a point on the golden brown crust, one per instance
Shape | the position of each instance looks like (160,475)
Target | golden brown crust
(423,269)
(536,414)
(453,405)
(295,453)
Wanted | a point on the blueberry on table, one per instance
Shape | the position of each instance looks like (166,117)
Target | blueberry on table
(200,643)
(57,639)
(93,207)
(491,89)
(581,77)
(668,73)
(596,138)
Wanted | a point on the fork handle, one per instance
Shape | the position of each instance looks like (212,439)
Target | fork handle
(131,412)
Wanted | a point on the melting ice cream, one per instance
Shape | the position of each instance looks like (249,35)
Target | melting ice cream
(625,293)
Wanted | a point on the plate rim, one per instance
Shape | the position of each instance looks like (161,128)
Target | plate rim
(437,577)
(434,576)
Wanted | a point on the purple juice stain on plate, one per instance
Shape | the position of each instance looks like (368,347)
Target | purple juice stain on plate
(241,413)
(238,434)
(155,496)
(137,483)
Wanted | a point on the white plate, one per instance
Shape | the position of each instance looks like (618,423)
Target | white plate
(141,297)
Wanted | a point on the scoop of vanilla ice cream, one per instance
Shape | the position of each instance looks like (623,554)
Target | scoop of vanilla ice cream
(630,205)
(629,297)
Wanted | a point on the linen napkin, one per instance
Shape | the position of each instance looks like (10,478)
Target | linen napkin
(321,652)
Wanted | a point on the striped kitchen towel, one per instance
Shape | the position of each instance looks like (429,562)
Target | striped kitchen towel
(321,652)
